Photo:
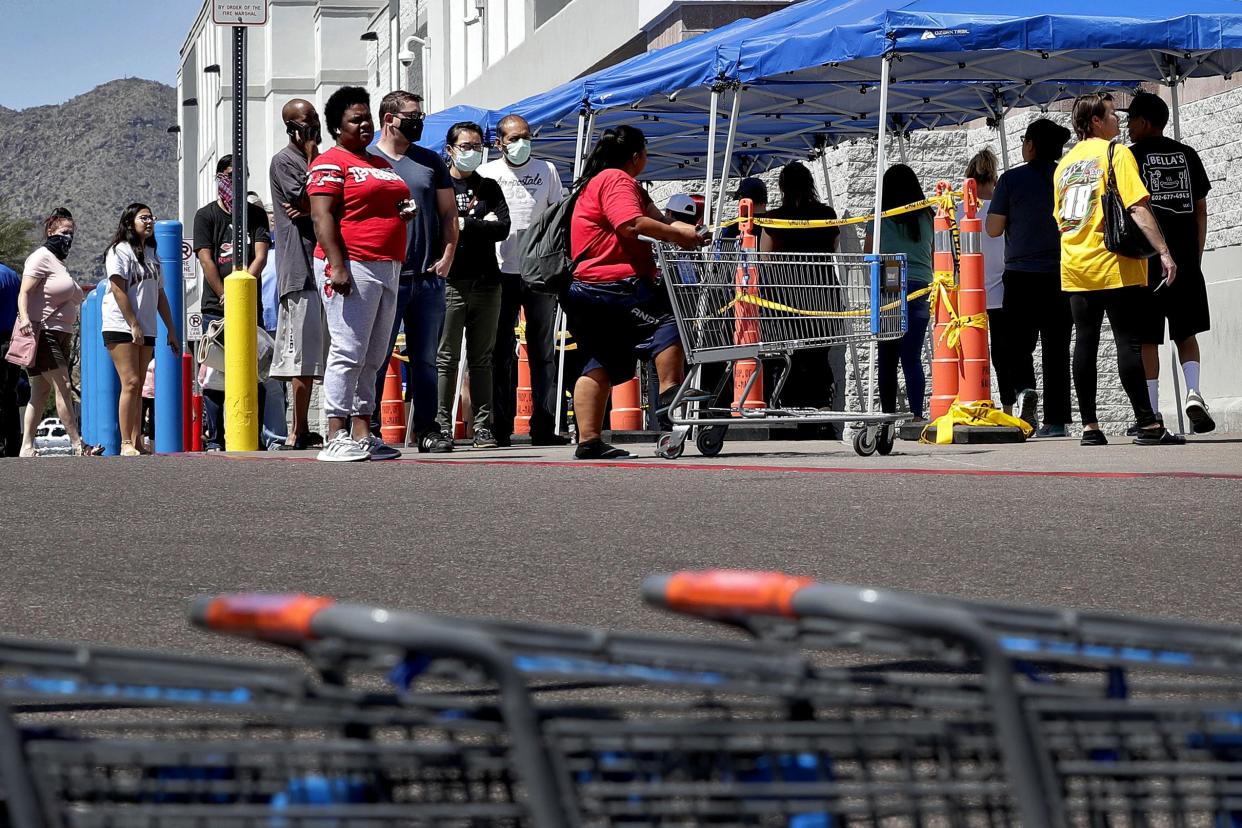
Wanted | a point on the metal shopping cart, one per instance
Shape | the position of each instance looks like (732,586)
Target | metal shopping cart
(644,730)
(1107,720)
(738,306)
(96,737)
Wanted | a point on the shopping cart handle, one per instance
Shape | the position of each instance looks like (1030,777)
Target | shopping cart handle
(286,619)
(724,592)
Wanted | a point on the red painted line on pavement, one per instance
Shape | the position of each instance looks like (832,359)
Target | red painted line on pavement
(734,467)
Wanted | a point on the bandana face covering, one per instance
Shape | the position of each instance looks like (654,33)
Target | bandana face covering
(224,189)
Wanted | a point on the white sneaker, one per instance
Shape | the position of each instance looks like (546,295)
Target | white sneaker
(343,449)
(378,449)
(1198,414)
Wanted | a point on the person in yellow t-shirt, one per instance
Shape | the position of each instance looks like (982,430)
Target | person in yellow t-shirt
(1099,281)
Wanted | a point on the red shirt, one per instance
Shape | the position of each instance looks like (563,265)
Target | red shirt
(611,199)
(370,188)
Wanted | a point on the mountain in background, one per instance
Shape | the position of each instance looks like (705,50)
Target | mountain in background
(94,154)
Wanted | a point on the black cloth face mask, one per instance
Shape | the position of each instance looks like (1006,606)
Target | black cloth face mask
(59,244)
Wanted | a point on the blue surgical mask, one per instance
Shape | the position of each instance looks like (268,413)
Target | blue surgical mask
(467,161)
(518,152)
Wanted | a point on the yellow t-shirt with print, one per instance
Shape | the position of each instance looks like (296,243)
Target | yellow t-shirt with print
(1078,207)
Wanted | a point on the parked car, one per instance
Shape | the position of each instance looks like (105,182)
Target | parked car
(52,438)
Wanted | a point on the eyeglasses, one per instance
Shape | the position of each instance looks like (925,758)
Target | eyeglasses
(412,116)
(146,219)
(469,147)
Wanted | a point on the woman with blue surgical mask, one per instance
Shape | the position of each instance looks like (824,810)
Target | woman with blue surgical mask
(472,289)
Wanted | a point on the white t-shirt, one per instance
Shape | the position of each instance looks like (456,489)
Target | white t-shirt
(142,287)
(993,256)
(529,190)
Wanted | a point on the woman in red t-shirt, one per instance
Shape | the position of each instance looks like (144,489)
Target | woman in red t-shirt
(616,311)
(360,206)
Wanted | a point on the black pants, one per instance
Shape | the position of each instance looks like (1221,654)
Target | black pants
(1000,336)
(1126,309)
(10,421)
(1038,311)
(540,353)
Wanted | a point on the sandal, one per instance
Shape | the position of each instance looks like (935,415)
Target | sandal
(32,453)
(87,450)
(128,450)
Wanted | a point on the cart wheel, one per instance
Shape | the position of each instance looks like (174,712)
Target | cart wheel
(885,439)
(865,442)
(710,440)
(666,449)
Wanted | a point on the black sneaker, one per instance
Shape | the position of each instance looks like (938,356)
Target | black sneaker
(1094,437)
(549,440)
(1158,437)
(434,442)
(483,439)
(1051,430)
(1028,401)
(597,449)
(666,399)
(504,442)
(1133,430)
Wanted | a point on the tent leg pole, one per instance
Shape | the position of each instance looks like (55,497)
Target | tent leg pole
(823,165)
(1174,364)
(711,157)
(1004,141)
(901,146)
(881,162)
(578,153)
(728,156)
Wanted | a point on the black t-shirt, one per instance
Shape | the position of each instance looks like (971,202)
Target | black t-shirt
(213,230)
(1024,197)
(805,240)
(1176,179)
(484,215)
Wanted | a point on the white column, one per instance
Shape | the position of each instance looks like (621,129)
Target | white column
(711,157)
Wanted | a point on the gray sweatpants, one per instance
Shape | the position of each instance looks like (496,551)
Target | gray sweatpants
(359,324)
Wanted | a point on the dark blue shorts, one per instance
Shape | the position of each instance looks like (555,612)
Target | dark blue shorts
(615,324)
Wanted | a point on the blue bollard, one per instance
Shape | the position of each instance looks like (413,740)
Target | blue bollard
(106,393)
(86,369)
(169,433)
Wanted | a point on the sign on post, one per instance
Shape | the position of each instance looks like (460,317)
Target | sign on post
(239,12)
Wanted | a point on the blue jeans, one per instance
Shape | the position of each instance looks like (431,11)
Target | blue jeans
(420,308)
(909,351)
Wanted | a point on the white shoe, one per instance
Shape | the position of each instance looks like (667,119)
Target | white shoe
(343,449)
(1198,414)
(378,449)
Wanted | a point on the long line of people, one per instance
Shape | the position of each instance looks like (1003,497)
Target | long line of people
(378,234)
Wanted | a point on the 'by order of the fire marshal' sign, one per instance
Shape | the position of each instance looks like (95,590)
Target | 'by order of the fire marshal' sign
(239,12)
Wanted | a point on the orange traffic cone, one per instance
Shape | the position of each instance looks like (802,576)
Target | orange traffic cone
(746,315)
(627,412)
(944,358)
(975,383)
(392,407)
(525,398)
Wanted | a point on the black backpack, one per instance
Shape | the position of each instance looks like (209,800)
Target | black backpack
(545,261)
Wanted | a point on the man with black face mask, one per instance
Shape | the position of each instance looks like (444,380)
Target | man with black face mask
(428,258)
(301,328)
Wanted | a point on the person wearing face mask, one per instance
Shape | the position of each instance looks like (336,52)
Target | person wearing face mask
(472,294)
(134,296)
(360,206)
(431,246)
(530,186)
(301,330)
(47,308)
(213,243)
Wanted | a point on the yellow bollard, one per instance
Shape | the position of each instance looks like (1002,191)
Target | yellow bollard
(241,363)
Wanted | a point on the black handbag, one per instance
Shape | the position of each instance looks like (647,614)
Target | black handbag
(1122,235)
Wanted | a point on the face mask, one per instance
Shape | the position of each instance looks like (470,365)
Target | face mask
(519,151)
(59,244)
(224,189)
(411,129)
(468,161)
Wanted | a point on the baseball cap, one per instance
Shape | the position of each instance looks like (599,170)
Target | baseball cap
(683,205)
(752,188)
(1148,106)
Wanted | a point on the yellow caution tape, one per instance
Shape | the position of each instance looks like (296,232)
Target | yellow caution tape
(953,331)
(982,413)
(941,290)
(948,200)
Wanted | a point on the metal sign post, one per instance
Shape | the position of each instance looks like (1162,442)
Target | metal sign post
(239,148)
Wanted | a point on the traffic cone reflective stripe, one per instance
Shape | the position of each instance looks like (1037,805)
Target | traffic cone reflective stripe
(627,413)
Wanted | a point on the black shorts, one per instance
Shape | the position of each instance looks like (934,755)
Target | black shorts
(52,352)
(618,323)
(125,338)
(1184,303)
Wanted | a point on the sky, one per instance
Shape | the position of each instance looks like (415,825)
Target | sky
(53,50)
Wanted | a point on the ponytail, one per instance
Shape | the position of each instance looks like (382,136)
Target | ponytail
(614,150)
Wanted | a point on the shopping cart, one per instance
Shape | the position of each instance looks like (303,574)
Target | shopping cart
(648,730)
(95,737)
(740,307)
(1106,720)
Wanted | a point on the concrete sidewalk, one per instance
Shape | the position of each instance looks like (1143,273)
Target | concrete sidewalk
(1213,455)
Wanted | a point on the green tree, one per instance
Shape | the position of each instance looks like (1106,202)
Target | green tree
(16,241)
